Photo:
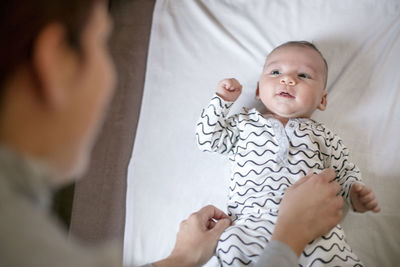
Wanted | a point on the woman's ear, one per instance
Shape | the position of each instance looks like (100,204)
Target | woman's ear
(52,61)
(258,91)
(324,101)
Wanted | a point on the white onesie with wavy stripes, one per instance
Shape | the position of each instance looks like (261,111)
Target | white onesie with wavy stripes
(266,159)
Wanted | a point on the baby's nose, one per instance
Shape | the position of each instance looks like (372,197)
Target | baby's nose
(288,81)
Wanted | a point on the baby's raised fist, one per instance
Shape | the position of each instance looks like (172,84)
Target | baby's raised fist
(229,89)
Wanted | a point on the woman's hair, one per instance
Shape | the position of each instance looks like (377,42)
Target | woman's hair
(21,21)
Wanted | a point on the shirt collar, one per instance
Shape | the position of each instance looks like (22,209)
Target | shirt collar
(28,177)
(267,116)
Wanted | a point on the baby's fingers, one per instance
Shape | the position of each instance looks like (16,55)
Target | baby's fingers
(357,187)
(367,197)
(365,190)
(373,205)
(227,84)
(370,202)
(376,209)
(231,84)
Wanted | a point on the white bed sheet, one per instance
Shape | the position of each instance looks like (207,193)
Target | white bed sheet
(194,44)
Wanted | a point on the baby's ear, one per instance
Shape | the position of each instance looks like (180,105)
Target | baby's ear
(324,101)
(258,91)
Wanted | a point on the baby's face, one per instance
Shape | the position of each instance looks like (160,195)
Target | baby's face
(292,82)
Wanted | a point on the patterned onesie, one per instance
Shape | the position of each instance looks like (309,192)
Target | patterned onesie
(267,158)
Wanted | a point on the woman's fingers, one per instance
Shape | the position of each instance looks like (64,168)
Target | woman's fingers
(328,175)
(208,212)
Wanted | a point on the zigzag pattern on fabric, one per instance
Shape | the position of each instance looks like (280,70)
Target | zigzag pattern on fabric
(267,158)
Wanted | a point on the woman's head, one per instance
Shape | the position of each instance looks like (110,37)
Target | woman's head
(56,79)
(21,21)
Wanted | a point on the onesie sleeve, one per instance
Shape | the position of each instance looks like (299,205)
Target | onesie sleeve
(347,172)
(214,131)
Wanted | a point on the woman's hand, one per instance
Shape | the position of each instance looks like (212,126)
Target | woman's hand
(229,89)
(309,209)
(197,238)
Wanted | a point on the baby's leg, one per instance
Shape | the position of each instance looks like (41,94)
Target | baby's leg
(330,250)
(242,243)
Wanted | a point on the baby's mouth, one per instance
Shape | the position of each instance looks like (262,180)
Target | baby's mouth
(285,94)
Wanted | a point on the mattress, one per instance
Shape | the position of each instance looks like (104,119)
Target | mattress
(196,43)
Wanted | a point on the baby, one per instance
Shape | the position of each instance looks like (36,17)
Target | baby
(271,151)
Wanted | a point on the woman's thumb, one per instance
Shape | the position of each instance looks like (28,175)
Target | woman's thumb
(220,226)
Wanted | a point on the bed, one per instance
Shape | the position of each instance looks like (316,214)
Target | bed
(193,45)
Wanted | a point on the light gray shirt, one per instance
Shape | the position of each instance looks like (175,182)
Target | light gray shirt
(31,236)
(277,254)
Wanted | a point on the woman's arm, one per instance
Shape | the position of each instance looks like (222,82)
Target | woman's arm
(309,209)
(197,238)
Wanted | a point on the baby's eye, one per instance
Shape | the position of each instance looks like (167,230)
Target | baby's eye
(304,75)
(275,72)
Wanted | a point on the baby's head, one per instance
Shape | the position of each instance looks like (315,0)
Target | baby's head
(293,81)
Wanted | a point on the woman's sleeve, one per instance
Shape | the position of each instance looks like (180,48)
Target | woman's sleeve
(279,254)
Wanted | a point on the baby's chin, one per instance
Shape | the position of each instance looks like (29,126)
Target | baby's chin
(286,114)
(290,113)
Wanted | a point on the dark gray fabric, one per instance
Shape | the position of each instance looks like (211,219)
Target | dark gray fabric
(98,212)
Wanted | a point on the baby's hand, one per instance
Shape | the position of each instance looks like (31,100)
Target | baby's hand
(363,199)
(229,89)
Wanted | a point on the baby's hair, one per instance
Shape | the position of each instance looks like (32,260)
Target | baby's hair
(305,44)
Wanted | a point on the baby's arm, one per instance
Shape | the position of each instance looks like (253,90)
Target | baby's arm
(356,194)
(215,132)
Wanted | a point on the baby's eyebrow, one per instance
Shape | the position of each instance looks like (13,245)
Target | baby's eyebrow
(307,67)
(271,63)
